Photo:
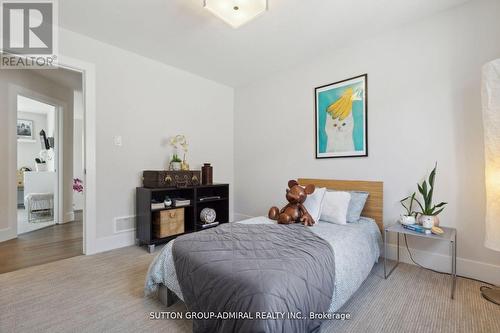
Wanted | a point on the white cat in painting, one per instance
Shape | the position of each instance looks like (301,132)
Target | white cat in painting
(339,134)
(339,125)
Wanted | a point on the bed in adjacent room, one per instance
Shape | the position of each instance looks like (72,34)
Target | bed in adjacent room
(318,268)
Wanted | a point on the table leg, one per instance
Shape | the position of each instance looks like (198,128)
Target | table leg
(385,254)
(453,266)
(386,275)
(397,262)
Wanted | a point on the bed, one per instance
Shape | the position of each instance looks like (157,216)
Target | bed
(355,247)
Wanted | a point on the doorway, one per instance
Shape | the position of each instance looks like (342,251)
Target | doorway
(48,107)
(37,165)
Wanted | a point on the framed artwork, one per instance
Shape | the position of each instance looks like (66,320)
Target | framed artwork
(25,129)
(342,118)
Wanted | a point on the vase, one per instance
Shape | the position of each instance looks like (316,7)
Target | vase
(176,166)
(184,165)
(428,221)
(207,174)
(436,221)
(208,215)
(407,219)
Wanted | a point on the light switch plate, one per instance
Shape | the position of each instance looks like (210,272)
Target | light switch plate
(118,141)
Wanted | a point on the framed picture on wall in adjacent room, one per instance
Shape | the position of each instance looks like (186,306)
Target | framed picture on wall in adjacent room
(342,118)
(25,129)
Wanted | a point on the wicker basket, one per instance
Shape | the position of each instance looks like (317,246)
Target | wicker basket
(168,223)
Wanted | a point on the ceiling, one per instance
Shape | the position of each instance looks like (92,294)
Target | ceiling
(183,34)
(62,76)
(25,104)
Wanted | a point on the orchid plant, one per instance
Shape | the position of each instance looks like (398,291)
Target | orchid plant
(179,142)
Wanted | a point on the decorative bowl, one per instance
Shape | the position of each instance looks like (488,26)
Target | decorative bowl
(208,215)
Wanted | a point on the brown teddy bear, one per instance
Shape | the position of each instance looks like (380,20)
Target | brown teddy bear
(295,210)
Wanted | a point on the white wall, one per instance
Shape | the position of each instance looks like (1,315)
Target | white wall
(28,151)
(424,106)
(146,102)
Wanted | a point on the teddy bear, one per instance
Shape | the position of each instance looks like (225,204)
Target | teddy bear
(295,210)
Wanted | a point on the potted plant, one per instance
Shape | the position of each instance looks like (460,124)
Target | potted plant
(428,211)
(176,163)
(179,142)
(410,217)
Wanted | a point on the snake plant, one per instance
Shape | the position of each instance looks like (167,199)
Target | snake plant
(409,207)
(426,190)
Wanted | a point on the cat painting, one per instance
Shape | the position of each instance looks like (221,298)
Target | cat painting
(339,134)
(339,124)
(341,119)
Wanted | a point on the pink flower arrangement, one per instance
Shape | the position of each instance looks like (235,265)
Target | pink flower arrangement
(77,185)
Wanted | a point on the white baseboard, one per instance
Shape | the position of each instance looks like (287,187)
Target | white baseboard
(7,234)
(68,217)
(122,239)
(440,262)
(127,238)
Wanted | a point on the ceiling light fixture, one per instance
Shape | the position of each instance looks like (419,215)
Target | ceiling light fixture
(236,12)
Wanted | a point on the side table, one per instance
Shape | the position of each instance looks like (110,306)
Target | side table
(450,235)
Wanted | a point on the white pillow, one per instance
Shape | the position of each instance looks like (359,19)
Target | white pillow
(335,206)
(314,202)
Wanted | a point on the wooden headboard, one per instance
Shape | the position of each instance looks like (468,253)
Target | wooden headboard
(374,207)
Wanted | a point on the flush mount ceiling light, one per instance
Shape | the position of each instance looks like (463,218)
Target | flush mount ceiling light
(236,12)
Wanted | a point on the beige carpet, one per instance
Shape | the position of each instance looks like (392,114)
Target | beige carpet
(103,293)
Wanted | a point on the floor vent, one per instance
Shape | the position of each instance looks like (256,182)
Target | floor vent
(123,224)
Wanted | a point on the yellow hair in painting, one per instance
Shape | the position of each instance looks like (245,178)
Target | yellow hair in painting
(343,106)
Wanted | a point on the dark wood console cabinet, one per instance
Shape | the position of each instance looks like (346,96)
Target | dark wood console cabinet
(192,223)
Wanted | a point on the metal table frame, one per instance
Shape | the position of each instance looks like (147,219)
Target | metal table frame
(450,236)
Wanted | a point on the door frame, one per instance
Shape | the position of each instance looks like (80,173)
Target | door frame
(90,245)
(89,150)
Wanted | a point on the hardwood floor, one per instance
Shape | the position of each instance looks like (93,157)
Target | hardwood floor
(42,246)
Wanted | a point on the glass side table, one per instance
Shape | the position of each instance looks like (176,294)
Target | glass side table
(450,235)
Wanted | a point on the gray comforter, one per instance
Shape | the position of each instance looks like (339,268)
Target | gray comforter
(258,270)
(356,247)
